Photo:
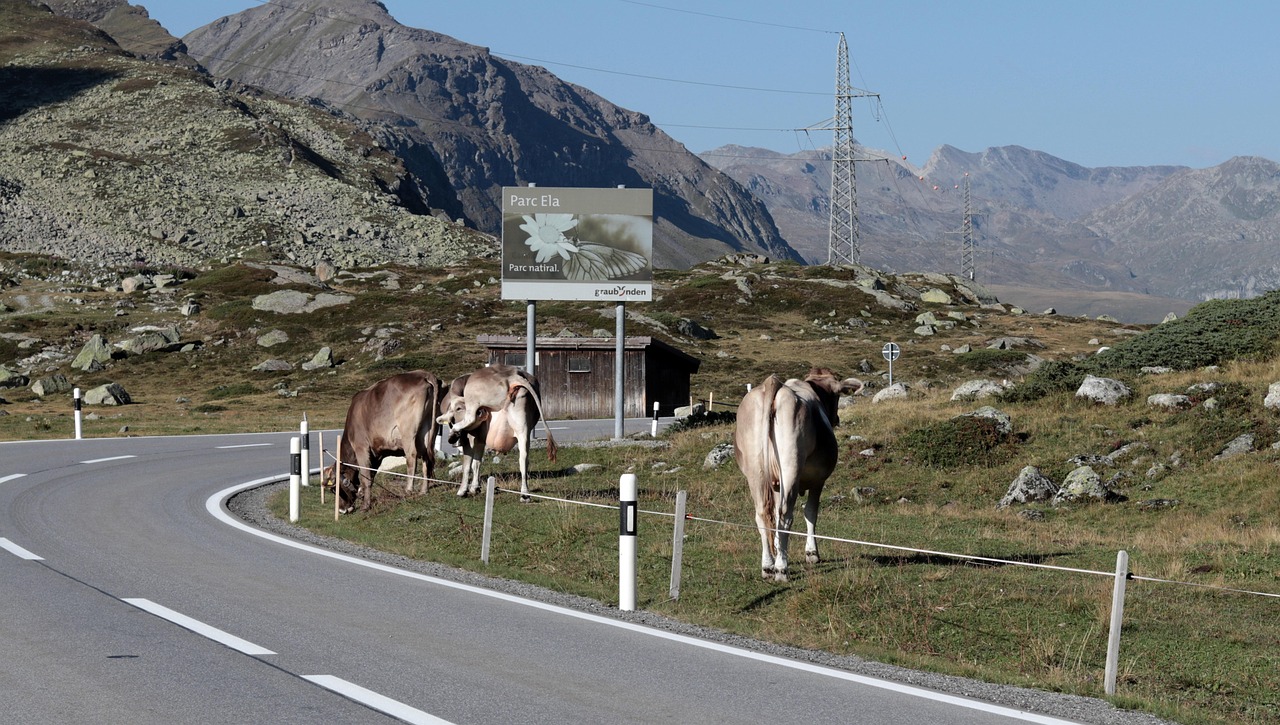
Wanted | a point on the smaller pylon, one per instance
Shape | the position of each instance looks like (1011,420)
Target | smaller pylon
(967,269)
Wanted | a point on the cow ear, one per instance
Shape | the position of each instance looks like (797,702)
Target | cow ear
(483,415)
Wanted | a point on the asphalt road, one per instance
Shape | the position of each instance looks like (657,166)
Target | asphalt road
(129,594)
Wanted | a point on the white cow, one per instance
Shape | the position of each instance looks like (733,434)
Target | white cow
(785,445)
(497,429)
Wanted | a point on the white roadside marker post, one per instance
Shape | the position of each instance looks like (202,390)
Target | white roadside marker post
(627,543)
(653,430)
(75,394)
(306,451)
(295,478)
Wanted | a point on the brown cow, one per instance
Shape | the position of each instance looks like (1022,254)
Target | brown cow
(785,445)
(494,428)
(393,417)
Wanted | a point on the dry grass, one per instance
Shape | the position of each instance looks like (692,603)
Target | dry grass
(1004,623)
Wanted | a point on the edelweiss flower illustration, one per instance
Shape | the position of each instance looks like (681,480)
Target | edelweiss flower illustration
(546,235)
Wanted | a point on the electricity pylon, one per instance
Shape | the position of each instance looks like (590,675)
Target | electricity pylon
(967,269)
(842,240)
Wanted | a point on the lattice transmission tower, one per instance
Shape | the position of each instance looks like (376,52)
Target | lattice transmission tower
(967,268)
(842,239)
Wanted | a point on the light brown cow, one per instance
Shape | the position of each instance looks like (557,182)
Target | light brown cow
(785,445)
(393,417)
(498,429)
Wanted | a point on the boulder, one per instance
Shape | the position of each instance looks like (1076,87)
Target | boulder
(51,385)
(975,389)
(322,359)
(12,379)
(689,328)
(685,411)
(95,353)
(271,338)
(1272,401)
(283,302)
(274,365)
(325,270)
(1083,484)
(1103,390)
(1004,424)
(1168,400)
(718,455)
(897,391)
(1030,485)
(936,296)
(1239,446)
(109,394)
(1009,343)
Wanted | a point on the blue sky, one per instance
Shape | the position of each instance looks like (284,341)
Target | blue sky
(1095,82)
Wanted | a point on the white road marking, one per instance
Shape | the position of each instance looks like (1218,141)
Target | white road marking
(18,551)
(104,460)
(245,445)
(12,476)
(381,703)
(213,505)
(200,628)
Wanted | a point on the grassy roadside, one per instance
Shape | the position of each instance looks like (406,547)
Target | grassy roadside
(908,475)
(1193,654)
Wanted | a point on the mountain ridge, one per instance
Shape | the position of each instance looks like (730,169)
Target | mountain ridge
(485,121)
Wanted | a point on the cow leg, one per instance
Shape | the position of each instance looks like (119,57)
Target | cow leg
(765,526)
(428,466)
(782,535)
(410,467)
(811,526)
(523,441)
(367,468)
(472,450)
(466,464)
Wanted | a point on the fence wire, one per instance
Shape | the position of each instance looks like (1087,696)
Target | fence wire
(855,542)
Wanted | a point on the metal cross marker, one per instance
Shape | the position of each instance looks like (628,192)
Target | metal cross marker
(891,351)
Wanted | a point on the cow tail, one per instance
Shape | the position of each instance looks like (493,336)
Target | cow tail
(552,448)
(769,456)
(433,428)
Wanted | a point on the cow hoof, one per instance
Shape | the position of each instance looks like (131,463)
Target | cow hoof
(525,499)
(780,576)
(812,558)
(462,493)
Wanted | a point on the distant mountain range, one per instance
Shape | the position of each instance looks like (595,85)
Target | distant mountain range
(463,123)
(1040,222)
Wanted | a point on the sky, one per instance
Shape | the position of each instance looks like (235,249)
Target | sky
(1094,82)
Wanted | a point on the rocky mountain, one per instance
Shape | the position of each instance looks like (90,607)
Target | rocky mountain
(468,123)
(1040,222)
(1201,234)
(112,159)
(129,25)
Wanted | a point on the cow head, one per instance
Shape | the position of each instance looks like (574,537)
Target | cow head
(346,489)
(829,387)
(453,414)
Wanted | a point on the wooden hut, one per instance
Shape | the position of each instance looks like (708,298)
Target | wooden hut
(576,374)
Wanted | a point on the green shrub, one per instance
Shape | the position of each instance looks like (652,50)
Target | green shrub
(962,441)
(989,358)
(1055,376)
(703,419)
(1212,333)
(232,390)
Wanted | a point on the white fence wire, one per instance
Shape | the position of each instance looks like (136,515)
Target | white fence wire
(1120,576)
